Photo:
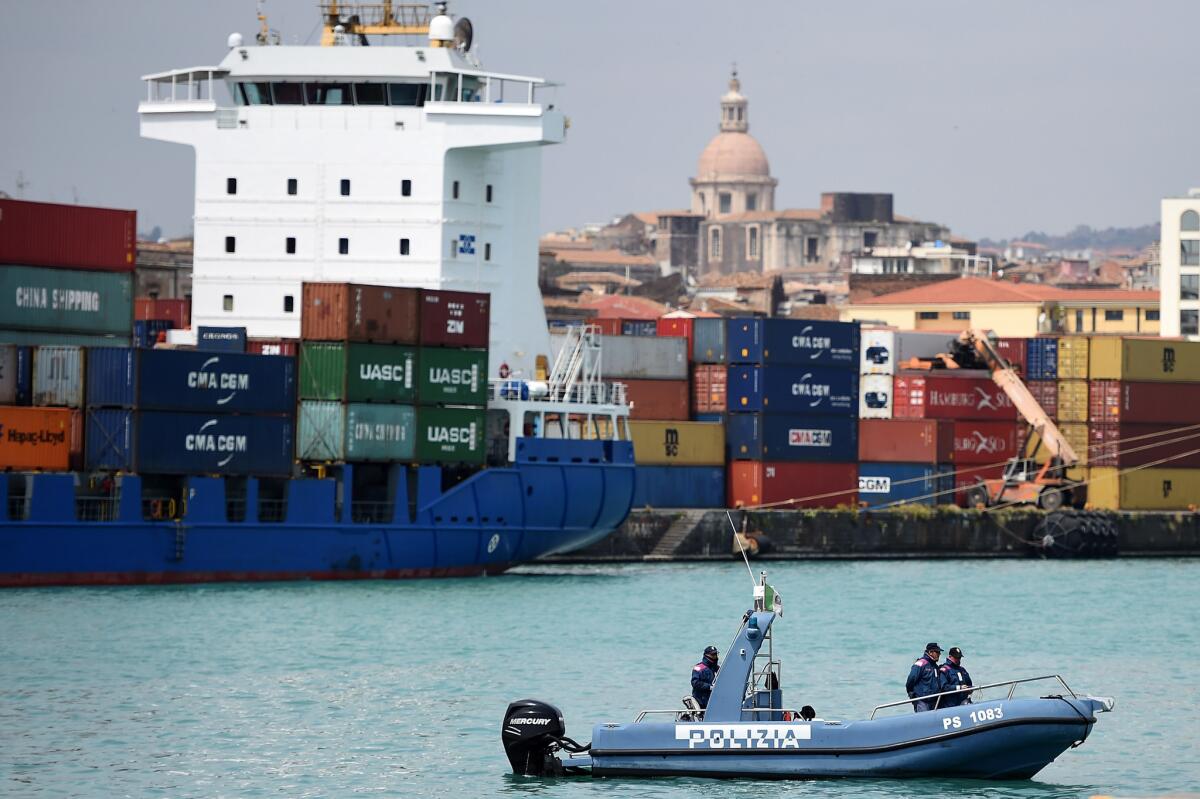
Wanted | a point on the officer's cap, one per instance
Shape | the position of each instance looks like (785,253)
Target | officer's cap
(955,652)
(710,650)
(932,647)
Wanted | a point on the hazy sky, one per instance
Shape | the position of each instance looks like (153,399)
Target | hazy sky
(992,117)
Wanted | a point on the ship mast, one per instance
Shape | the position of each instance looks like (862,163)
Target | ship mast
(384,19)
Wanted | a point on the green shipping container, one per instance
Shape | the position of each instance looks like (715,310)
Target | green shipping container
(36,338)
(452,377)
(450,435)
(357,372)
(380,432)
(321,431)
(66,300)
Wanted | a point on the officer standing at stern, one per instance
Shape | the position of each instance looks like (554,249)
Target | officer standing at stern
(703,675)
(954,676)
(924,679)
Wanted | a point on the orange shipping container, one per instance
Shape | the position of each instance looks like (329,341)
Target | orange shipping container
(35,438)
(354,312)
(665,400)
(709,384)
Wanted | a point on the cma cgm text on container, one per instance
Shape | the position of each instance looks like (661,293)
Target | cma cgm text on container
(792,389)
(792,341)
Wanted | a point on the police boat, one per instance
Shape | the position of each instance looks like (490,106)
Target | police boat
(748,731)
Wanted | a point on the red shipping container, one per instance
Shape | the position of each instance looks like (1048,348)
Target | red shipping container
(1046,394)
(455,319)
(968,476)
(709,386)
(178,312)
(608,327)
(272,346)
(1114,401)
(754,483)
(920,395)
(67,236)
(355,312)
(664,400)
(678,326)
(1127,445)
(984,442)
(905,441)
(1013,350)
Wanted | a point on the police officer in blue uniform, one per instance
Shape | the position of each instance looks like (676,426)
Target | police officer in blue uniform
(954,676)
(924,679)
(703,675)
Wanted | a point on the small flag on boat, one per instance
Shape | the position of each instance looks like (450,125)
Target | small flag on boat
(773,601)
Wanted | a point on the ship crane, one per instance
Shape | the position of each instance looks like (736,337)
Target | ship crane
(1024,482)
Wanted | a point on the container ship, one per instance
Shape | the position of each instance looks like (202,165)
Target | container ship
(365,216)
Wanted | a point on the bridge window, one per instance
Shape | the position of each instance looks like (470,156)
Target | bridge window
(370,94)
(345,187)
(328,93)
(406,188)
(404,246)
(227,302)
(408,93)
(290,245)
(289,303)
(293,186)
(288,93)
(255,93)
(343,246)
(231,185)
(230,244)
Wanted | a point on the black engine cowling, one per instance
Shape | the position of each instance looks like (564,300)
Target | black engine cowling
(532,732)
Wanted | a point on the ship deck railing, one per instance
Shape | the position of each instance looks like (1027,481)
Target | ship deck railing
(686,714)
(975,690)
(367,512)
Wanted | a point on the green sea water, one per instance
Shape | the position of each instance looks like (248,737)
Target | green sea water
(398,688)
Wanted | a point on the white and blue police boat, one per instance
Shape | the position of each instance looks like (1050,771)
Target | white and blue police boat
(1001,731)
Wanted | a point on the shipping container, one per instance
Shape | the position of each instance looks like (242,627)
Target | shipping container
(708,340)
(190,380)
(1073,358)
(984,442)
(792,485)
(1112,401)
(639,327)
(1046,394)
(1013,350)
(75,441)
(679,487)
(157,442)
(288,347)
(961,395)
(34,338)
(678,327)
(1072,400)
(179,312)
(451,377)
(24,395)
(714,418)
(683,443)
(1041,359)
(358,372)
(883,350)
(786,437)
(147,332)
(9,373)
(58,376)
(792,341)
(606,326)
(643,358)
(875,397)
(35,438)
(1144,489)
(927,441)
(455,319)
(450,435)
(792,389)
(1145,359)
(65,301)
(1128,445)
(221,339)
(321,431)
(709,388)
(881,484)
(67,236)
(356,312)
(377,432)
(666,400)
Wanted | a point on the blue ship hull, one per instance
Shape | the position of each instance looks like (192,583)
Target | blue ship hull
(559,495)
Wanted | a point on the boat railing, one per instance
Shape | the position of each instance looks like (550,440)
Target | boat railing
(18,508)
(372,512)
(1010,684)
(272,510)
(97,509)
(684,714)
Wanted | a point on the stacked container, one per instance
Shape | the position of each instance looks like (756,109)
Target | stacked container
(679,464)
(883,351)
(152,317)
(792,398)
(905,461)
(655,372)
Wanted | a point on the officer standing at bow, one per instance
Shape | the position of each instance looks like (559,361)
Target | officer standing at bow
(924,679)
(954,676)
(703,675)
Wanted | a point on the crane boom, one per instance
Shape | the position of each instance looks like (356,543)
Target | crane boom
(1027,405)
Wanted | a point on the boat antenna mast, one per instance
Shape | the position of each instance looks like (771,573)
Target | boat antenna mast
(384,18)
(265,34)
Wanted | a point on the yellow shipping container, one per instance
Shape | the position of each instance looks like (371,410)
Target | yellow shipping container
(1073,358)
(1076,435)
(678,443)
(1143,489)
(1072,400)
(1148,359)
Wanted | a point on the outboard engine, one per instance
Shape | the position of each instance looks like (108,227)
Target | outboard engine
(532,732)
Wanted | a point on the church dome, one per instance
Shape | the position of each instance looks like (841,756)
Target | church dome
(732,154)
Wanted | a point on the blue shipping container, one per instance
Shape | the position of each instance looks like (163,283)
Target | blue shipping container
(793,341)
(792,389)
(790,437)
(1041,359)
(226,339)
(639,327)
(719,418)
(922,484)
(153,442)
(145,331)
(190,380)
(679,487)
(24,375)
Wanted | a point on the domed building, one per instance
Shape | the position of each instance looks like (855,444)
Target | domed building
(732,175)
